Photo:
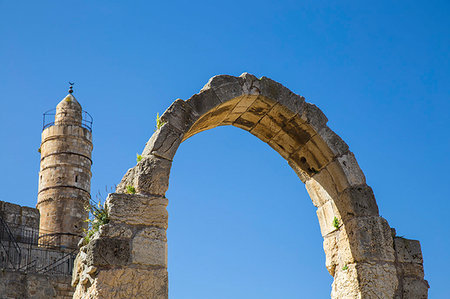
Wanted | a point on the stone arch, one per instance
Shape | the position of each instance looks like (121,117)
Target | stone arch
(362,253)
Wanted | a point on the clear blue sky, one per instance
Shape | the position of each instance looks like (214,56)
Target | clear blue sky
(241,223)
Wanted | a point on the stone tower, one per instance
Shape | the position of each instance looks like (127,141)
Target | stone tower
(65,174)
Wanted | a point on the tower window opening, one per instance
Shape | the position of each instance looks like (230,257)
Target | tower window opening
(76,179)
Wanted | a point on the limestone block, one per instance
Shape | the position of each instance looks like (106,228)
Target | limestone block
(357,201)
(135,209)
(203,102)
(180,115)
(164,142)
(333,141)
(408,251)
(225,87)
(250,84)
(365,280)
(265,129)
(254,113)
(345,172)
(149,247)
(411,270)
(345,284)
(213,118)
(331,249)
(321,188)
(243,103)
(369,239)
(302,175)
(284,144)
(149,176)
(326,214)
(107,252)
(313,156)
(277,92)
(314,116)
(131,283)
(415,288)
(115,230)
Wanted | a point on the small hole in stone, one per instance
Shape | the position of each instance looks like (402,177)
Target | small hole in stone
(303,159)
(345,163)
(76,179)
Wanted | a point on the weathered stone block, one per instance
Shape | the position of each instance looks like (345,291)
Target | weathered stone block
(365,280)
(107,252)
(203,102)
(241,106)
(415,288)
(137,209)
(164,142)
(314,116)
(321,188)
(369,239)
(357,201)
(149,176)
(180,115)
(411,270)
(115,230)
(250,84)
(408,251)
(284,144)
(326,214)
(128,283)
(226,87)
(334,142)
(277,92)
(149,247)
(345,172)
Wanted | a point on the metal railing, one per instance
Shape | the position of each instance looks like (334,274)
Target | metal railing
(48,119)
(23,250)
(10,247)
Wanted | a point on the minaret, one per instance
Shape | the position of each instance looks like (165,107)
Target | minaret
(65,174)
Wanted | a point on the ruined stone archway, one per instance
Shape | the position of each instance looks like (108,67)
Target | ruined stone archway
(128,257)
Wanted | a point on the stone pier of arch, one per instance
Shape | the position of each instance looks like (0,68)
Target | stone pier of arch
(127,258)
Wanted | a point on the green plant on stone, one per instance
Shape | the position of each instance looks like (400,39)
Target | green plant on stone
(138,158)
(98,216)
(131,189)
(159,122)
(39,150)
(336,222)
(345,267)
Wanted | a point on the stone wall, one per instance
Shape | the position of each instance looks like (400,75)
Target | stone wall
(14,285)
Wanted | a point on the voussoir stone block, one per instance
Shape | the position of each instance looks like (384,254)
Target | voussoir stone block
(203,101)
(164,142)
(314,116)
(357,201)
(136,209)
(180,115)
(334,142)
(345,172)
(225,87)
(369,239)
(149,176)
(107,252)
(277,92)
(326,214)
(321,188)
(149,247)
